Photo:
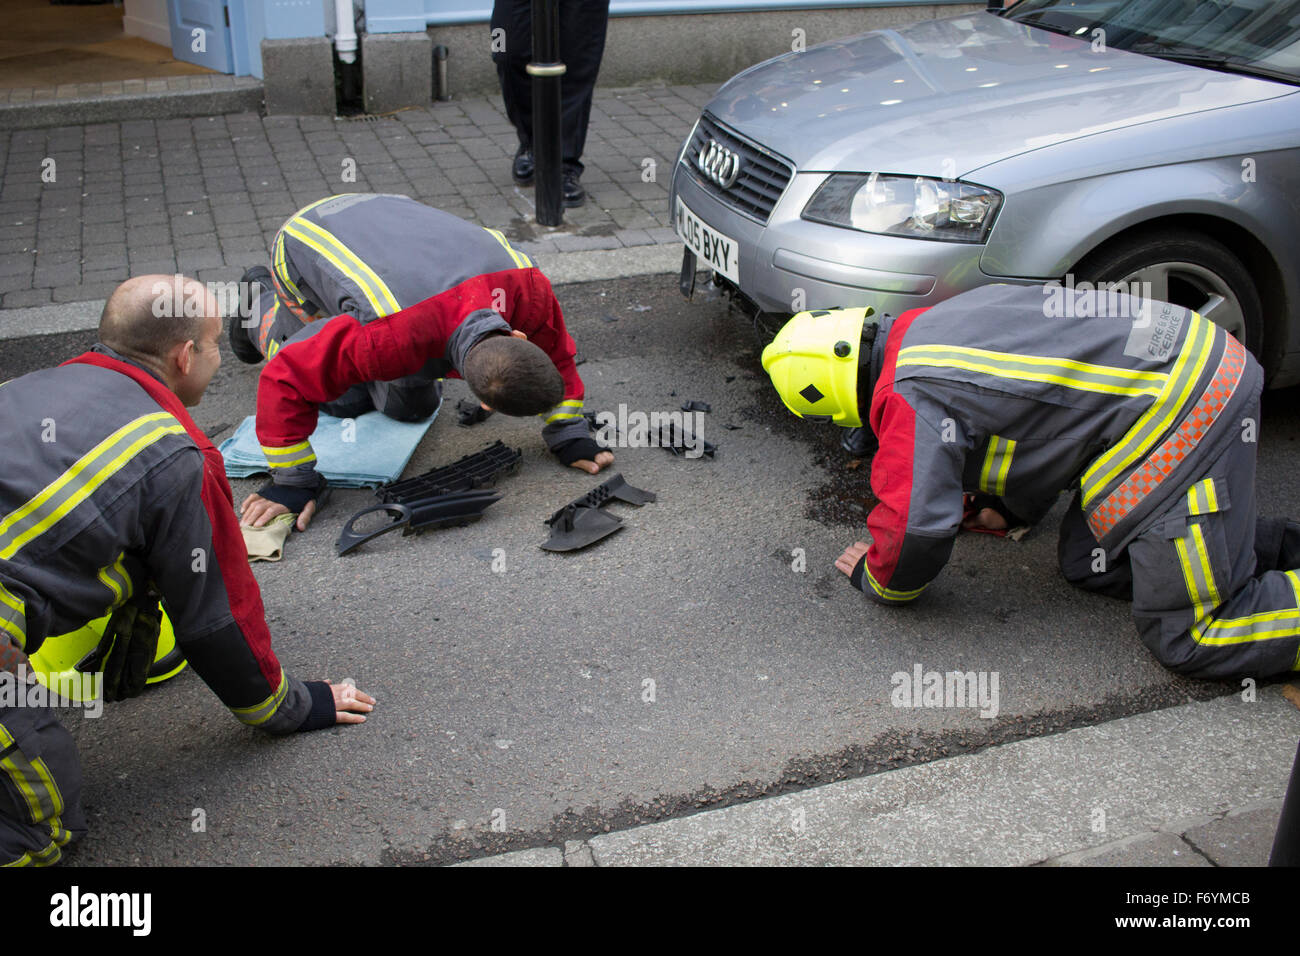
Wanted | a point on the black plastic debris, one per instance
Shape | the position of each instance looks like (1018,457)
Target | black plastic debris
(441,511)
(449,496)
(582,522)
(696,406)
(470,412)
(479,470)
(732,428)
(680,442)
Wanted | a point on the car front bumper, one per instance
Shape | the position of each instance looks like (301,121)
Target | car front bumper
(790,264)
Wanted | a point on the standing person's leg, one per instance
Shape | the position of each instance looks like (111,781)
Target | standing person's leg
(40,787)
(511,50)
(583,26)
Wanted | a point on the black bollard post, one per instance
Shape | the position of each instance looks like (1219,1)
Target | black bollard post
(547,74)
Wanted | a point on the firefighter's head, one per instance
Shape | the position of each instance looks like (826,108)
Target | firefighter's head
(820,363)
(512,375)
(171,324)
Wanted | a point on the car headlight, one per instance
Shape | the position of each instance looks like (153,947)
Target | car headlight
(914,206)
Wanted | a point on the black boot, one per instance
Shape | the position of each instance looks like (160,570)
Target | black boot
(523,168)
(574,194)
(240,341)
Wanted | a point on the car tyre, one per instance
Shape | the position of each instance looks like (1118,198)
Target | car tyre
(1190,270)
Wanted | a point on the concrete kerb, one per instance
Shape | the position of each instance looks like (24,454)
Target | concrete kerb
(1120,793)
(560,268)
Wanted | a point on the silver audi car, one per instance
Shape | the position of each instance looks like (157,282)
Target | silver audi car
(1149,143)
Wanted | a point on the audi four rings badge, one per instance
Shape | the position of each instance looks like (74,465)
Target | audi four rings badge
(719,163)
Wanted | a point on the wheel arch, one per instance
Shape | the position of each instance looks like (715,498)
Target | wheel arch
(1263,268)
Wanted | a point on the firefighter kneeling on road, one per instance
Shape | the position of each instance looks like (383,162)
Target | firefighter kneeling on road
(1151,420)
(109,491)
(374,299)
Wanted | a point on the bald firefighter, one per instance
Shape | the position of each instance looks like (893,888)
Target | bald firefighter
(110,497)
(1150,417)
(375,299)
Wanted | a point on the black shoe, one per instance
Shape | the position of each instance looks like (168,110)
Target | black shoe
(523,167)
(574,194)
(240,343)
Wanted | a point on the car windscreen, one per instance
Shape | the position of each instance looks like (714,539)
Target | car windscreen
(1256,37)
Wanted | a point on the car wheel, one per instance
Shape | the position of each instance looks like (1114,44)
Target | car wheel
(1192,271)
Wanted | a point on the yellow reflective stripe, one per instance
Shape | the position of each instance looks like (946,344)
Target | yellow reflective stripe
(33,779)
(1253,627)
(290,455)
(1202,499)
(1157,419)
(569,408)
(1203,557)
(261,713)
(281,265)
(46,857)
(997,463)
(1068,373)
(79,482)
(888,593)
(282,269)
(13,617)
(346,261)
(115,578)
(520,259)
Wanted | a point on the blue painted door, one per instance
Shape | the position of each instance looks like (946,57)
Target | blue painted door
(201,33)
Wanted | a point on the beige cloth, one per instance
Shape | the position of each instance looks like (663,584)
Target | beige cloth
(267,542)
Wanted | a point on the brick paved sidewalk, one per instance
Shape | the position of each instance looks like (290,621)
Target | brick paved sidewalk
(205,196)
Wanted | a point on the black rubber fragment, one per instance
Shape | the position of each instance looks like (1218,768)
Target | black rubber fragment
(696,406)
(470,412)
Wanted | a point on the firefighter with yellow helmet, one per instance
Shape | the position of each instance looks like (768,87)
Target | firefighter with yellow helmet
(1149,416)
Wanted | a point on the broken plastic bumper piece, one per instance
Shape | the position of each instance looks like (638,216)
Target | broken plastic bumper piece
(582,522)
(479,470)
(453,495)
(440,511)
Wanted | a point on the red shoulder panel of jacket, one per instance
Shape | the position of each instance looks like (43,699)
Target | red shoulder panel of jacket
(227,540)
(894,423)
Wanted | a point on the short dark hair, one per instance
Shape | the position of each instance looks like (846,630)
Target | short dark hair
(513,376)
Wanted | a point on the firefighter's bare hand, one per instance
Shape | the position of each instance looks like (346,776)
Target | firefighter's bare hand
(847,561)
(603,460)
(256,511)
(988,519)
(350,703)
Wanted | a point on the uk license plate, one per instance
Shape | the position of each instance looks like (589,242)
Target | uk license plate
(716,251)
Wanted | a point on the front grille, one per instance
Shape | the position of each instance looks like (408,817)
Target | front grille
(763,175)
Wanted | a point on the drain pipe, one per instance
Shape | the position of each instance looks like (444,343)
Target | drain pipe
(345,31)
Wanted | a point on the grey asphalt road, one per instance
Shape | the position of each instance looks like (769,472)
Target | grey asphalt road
(680,664)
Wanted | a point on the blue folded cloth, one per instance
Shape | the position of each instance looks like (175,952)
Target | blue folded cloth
(376,451)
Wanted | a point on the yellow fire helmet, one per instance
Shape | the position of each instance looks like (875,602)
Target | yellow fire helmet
(813,362)
(55,663)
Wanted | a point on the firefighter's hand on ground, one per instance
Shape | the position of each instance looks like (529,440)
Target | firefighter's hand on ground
(847,561)
(603,460)
(255,511)
(987,519)
(350,703)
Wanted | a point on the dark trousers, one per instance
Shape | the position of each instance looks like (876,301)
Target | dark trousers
(410,399)
(582,44)
(1215,589)
(40,787)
